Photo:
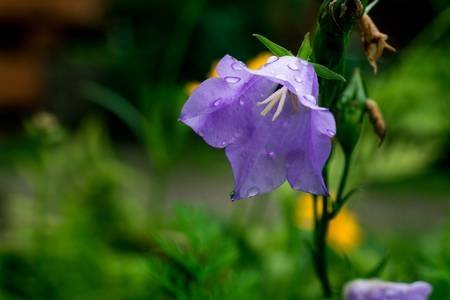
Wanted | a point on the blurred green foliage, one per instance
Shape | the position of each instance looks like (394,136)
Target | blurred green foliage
(79,232)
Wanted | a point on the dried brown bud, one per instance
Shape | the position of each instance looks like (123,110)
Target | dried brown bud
(374,42)
(376,118)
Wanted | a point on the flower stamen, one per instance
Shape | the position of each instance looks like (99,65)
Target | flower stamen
(277,97)
(279,107)
(271,97)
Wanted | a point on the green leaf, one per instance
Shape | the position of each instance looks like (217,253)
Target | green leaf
(274,48)
(370,6)
(337,205)
(305,50)
(378,268)
(351,108)
(115,103)
(326,73)
(355,90)
(349,194)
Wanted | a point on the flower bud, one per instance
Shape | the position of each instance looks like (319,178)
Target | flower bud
(333,29)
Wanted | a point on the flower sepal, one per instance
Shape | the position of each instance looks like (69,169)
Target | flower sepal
(305,50)
(304,53)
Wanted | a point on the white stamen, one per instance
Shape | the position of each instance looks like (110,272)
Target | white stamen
(277,97)
(279,107)
(269,106)
(270,98)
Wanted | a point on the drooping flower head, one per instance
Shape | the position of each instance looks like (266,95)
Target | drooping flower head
(384,290)
(268,121)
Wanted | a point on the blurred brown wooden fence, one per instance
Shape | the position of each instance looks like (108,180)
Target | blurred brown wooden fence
(28,29)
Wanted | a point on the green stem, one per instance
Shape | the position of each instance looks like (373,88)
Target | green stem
(321,262)
(334,25)
(321,224)
(340,199)
(315,210)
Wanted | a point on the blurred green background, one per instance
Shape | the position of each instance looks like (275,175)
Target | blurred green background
(105,195)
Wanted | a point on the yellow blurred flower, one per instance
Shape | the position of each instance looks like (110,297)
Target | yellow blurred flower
(213,72)
(191,86)
(258,61)
(253,64)
(344,233)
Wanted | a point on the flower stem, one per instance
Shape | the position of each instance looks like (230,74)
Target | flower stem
(320,237)
(331,37)
(340,198)
(321,225)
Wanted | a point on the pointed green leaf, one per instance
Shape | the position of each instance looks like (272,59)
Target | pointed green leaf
(370,6)
(305,50)
(378,268)
(355,90)
(274,48)
(326,73)
(349,194)
(337,205)
(118,105)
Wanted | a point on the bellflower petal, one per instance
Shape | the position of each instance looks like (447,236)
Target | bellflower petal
(289,139)
(296,74)
(383,290)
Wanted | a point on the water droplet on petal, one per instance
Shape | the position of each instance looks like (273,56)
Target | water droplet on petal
(310,98)
(223,144)
(293,66)
(253,191)
(237,66)
(298,79)
(232,79)
(271,154)
(281,76)
(217,102)
(331,132)
(272,59)
(241,102)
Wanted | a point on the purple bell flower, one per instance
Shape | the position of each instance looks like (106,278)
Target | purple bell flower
(268,121)
(384,290)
